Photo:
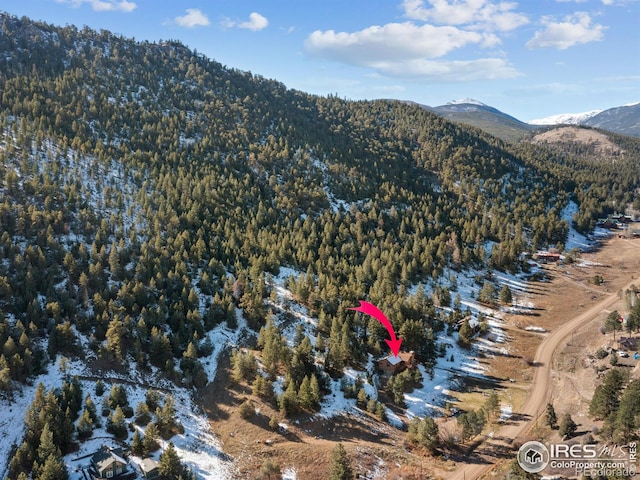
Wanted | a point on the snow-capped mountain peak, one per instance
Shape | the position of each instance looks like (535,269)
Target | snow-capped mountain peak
(466,100)
(565,118)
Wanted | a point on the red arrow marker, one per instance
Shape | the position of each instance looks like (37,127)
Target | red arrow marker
(375,312)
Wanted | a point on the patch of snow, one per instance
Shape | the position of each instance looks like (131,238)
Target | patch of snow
(533,328)
(506,411)
(289,474)
(278,385)
(222,337)
(393,419)
(575,239)
(353,375)
(335,403)
(283,426)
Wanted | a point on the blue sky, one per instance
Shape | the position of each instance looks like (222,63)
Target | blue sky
(530,58)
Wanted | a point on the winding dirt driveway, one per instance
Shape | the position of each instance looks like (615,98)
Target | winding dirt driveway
(539,393)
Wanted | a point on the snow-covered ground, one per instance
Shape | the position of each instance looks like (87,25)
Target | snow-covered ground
(575,239)
(439,386)
(197,446)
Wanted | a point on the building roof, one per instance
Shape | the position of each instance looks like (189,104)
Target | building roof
(148,464)
(402,357)
(104,457)
(393,360)
(629,342)
(407,357)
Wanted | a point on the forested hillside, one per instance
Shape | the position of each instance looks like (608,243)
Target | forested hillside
(148,192)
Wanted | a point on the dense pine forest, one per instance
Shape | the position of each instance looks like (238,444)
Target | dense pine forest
(148,193)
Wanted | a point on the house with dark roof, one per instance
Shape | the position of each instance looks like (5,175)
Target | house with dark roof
(109,463)
(392,364)
(628,343)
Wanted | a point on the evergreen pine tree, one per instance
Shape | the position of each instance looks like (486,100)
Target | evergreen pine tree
(320,343)
(85,425)
(492,406)
(567,426)
(340,465)
(289,400)
(117,423)
(304,394)
(506,297)
(627,418)
(137,445)
(550,416)
(46,448)
(99,388)
(149,442)
(90,407)
(170,465)
(362,398)
(143,415)
(315,391)
(606,396)
(115,338)
(53,469)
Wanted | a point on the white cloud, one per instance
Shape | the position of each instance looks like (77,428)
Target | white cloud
(416,49)
(575,29)
(449,70)
(104,5)
(476,14)
(393,42)
(255,23)
(406,50)
(192,18)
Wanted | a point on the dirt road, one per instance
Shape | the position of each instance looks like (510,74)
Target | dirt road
(539,392)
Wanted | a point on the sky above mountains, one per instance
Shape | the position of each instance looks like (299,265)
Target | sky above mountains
(529,59)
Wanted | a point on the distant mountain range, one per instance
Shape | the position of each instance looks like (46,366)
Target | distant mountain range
(484,117)
(624,120)
(566,118)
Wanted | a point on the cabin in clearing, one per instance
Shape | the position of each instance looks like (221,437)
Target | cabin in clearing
(392,365)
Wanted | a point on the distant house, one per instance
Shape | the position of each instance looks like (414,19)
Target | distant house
(149,468)
(391,365)
(546,257)
(109,463)
(628,343)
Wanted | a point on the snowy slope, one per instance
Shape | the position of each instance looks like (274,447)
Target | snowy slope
(565,118)
(468,101)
